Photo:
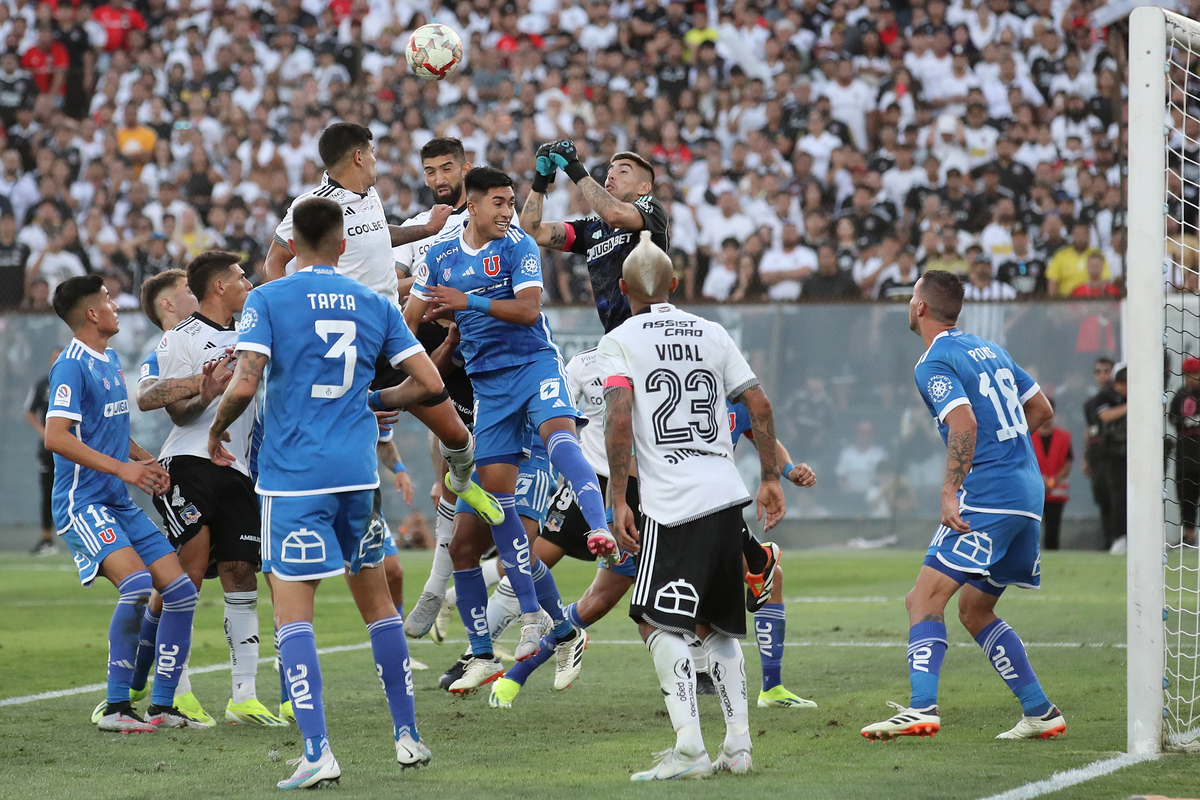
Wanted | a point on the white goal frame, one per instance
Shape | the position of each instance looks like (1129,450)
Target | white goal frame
(1153,31)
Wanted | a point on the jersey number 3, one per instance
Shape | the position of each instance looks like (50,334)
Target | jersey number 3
(342,348)
(1012,423)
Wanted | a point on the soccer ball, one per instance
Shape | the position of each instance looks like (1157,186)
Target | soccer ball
(434,52)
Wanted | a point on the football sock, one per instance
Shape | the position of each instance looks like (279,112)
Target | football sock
(491,570)
(443,567)
(502,609)
(770,624)
(573,615)
(521,671)
(185,679)
(677,679)
(134,595)
(174,638)
(145,651)
(395,672)
(1006,651)
(565,455)
(548,598)
(298,657)
(283,695)
(472,607)
(727,667)
(241,634)
(699,655)
(926,649)
(752,549)
(512,545)
(461,464)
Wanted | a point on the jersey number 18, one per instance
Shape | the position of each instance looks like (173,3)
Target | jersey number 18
(1013,422)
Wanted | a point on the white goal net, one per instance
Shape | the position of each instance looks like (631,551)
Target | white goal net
(1163,353)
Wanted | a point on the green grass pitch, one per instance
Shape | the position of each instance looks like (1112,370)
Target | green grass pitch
(846,630)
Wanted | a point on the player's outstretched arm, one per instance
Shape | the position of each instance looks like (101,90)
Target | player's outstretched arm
(404,234)
(615,212)
(235,400)
(618,442)
(800,474)
(960,454)
(146,474)
(1037,411)
(277,259)
(552,235)
(423,383)
(770,503)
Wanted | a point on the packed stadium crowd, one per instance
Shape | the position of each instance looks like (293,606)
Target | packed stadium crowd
(804,150)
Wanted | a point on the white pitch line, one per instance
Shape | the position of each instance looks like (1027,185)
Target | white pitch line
(1062,780)
(96,687)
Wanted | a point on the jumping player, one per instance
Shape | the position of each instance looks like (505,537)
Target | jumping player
(992,497)
(87,429)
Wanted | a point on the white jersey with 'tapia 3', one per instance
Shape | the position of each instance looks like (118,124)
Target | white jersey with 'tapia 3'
(368,258)
(682,368)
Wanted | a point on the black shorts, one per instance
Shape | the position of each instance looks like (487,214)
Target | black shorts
(221,498)
(565,526)
(462,395)
(691,574)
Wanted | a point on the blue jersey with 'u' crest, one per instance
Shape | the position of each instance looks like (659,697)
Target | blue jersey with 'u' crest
(497,271)
(962,369)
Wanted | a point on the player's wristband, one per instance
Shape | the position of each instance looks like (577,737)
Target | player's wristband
(576,171)
(375,401)
(480,304)
(399,468)
(608,515)
(541,182)
(787,470)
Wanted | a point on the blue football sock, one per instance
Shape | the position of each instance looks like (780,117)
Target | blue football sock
(134,594)
(926,649)
(298,657)
(400,610)
(548,598)
(395,672)
(573,615)
(512,545)
(521,671)
(283,695)
(770,624)
(145,651)
(174,638)
(472,607)
(1006,651)
(563,449)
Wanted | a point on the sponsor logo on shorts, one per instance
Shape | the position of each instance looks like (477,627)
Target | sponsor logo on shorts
(677,597)
(975,547)
(190,515)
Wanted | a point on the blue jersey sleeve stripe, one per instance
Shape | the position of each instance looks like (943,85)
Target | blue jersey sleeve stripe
(953,404)
(1033,390)
(254,347)
(65,415)
(405,354)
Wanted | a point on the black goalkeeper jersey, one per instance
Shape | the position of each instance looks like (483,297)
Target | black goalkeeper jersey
(606,248)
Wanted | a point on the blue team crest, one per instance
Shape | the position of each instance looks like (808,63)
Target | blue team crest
(107,385)
(531,266)
(446,274)
(939,388)
(248,320)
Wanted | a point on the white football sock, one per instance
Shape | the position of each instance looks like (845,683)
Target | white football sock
(502,608)
(185,681)
(699,655)
(461,464)
(728,671)
(451,597)
(491,572)
(443,567)
(241,633)
(677,678)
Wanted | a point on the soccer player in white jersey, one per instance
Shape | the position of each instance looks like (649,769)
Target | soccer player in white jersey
(992,497)
(668,376)
(315,336)
(87,429)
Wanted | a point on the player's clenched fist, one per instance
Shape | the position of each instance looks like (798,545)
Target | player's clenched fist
(148,475)
(802,475)
(566,157)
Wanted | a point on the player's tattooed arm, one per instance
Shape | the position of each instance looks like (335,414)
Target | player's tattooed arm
(153,394)
(404,234)
(613,211)
(762,424)
(551,235)
(618,443)
(250,367)
(213,378)
(137,452)
(960,454)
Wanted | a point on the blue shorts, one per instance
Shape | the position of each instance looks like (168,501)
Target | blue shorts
(534,486)
(96,530)
(318,535)
(1000,550)
(508,401)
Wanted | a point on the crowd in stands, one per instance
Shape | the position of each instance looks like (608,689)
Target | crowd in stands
(806,149)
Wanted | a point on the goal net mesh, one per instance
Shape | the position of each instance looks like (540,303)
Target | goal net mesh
(1181,562)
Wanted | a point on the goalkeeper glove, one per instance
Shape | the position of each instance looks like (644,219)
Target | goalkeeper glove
(566,157)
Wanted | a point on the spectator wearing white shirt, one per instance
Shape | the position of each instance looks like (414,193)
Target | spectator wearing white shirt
(950,93)
(903,176)
(857,465)
(1074,121)
(996,237)
(53,263)
(851,102)
(19,187)
(727,222)
(722,274)
(979,137)
(783,268)
(819,143)
(1073,80)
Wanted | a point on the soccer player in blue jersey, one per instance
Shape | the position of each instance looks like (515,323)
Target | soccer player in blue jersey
(314,337)
(87,429)
(985,406)
(490,276)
